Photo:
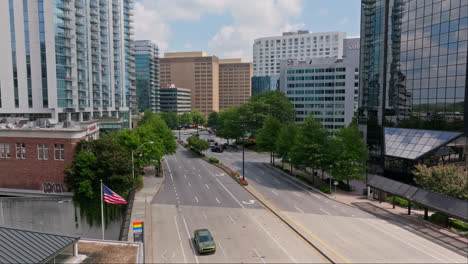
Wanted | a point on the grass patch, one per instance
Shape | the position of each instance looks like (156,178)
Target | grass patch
(455,226)
(214,160)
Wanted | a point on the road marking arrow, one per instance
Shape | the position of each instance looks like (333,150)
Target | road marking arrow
(249,202)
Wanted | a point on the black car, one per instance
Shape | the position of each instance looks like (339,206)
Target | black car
(217,149)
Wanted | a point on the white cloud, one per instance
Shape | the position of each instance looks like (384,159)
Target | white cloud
(251,19)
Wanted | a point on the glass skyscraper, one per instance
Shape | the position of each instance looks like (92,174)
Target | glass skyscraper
(68,60)
(147,76)
(413,70)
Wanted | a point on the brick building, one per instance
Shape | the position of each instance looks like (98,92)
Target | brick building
(34,155)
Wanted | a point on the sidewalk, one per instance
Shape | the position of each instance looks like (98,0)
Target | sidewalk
(142,208)
(385,210)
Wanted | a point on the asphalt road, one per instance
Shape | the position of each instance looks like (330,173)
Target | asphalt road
(351,235)
(198,195)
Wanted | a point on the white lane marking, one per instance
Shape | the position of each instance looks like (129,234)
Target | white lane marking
(232,220)
(258,255)
(296,184)
(325,211)
(185,176)
(204,215)
(274,192)
(259,181)
(208,187)
(199,176)
(298,195)
(256,221)
(416,242)
(217,200)
(275,180)
(401,240)
(297,208)
(196,199)
(189,184)
(180,239)
(221,247)
(190,237)
(163,255)
(168,167)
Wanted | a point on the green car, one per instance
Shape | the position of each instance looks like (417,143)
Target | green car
(204,241)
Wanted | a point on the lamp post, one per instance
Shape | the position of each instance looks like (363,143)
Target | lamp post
(133,163)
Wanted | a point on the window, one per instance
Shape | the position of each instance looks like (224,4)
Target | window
(4,150)
(20,151)
(59,152)
(42,152)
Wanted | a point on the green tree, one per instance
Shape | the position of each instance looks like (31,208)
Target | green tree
(267,136)
(198,117)
(170,118)
(285,141)
(444,179)
(229,125)
(212,119)
(198,144)
(186,118)
(96,160)
(350,154)
(311,145)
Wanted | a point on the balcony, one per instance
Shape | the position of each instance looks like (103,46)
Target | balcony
(95,43)
(80,13)
(66,5)
(65,34)
(64,24)
(94,19)
(93,3)
(115,9)
(93,12)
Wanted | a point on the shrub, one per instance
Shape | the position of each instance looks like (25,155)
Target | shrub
(233,173)
(186,145)
(441,219)
(324,188)
(341,185)
(304,179)
(244,182)
(214,160)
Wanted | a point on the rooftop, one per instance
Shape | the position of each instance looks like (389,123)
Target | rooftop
(44,124)
(184,54)
(21,246)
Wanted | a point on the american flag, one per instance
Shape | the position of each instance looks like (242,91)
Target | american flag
(111,197)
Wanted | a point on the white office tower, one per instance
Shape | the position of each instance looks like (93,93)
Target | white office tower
(301,45)
(67,60)
(325,88)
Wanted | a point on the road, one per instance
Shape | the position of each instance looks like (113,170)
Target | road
(346,232)
(197,195)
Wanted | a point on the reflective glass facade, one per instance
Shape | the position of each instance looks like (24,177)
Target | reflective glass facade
(413,67)
(13,51)
(261,84)
(147,75)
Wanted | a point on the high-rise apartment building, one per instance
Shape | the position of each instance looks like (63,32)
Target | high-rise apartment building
(147,75)
(325,88)
(301,45)
(197,72)
(413,83)
(175,99)
(234,82)
(67,59)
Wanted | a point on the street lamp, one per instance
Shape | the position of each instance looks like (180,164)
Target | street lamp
(133,163)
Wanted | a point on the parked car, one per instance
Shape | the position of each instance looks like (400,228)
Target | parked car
(204,241)
(217,149)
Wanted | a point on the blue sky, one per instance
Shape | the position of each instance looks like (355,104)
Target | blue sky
(227,28)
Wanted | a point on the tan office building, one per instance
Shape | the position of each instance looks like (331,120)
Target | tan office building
(197,72)
(234,82)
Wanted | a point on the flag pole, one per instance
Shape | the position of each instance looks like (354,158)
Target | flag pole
(102,214)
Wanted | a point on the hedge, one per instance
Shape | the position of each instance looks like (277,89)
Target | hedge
(214,160)
(441,219)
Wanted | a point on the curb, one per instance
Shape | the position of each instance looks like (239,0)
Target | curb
(306,185)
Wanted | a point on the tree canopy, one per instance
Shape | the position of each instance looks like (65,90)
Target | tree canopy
(198,144)
(212,119)
(197,117)
(170,118)
(444,179)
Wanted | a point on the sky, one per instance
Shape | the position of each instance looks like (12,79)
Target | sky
(227,28)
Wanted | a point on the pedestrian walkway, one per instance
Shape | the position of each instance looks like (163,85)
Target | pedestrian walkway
(385,210)
(142,207)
